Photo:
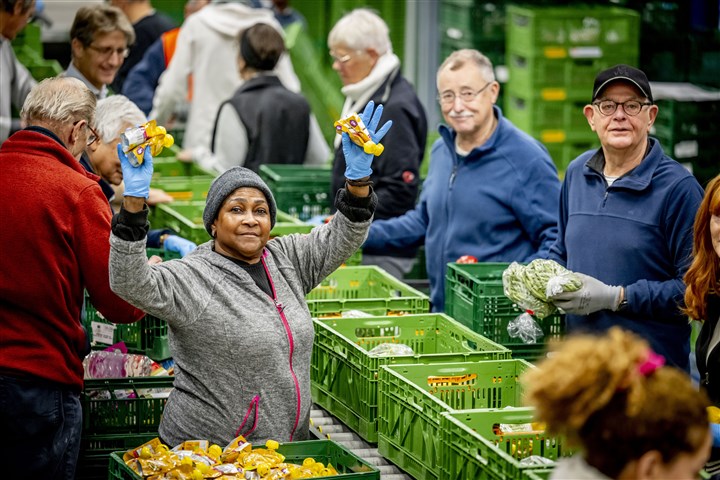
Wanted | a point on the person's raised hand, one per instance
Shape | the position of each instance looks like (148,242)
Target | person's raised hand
(593,296)
(358,164)
(136,179)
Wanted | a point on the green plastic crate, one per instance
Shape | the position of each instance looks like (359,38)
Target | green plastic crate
(590,31)
(557,79)
(551,122)
(118,415)
(412,399)
(474,296)
(186,219)
(471,449)
(683,120)
(480,23)
(348,465)
(147,336)
(95,453)
(564,153)
(184,188)
(366,288)
(170,166)
(303,192)
(344,376)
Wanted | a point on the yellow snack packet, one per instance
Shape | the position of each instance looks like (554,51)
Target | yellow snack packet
(713,414)
(146,450)
(148,135)
(358,133)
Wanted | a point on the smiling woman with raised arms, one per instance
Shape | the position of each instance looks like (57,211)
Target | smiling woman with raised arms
(239,327)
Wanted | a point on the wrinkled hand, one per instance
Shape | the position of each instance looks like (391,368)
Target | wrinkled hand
(357,162)
(136,179)
(593,296)
(174,243)
(157,196)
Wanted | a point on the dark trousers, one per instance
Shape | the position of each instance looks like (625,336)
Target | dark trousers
(40,427)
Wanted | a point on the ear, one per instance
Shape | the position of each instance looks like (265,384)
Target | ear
(495,91)
(76,47)
(649,466)
(73,137)
(374,55)
(652,111)
(589,112)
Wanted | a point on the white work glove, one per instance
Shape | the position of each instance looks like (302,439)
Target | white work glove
(593,296)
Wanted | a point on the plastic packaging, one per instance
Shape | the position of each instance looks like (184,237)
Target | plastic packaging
(391,350)
(358,133)
(148,135)
(530,285)
(526,328)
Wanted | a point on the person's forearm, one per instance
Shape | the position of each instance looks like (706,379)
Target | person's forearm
(133,204)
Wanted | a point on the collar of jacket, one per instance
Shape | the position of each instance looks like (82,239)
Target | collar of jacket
(260,81)
(448,135)
(638,178)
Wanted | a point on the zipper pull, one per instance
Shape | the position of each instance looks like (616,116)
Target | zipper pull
(280,307)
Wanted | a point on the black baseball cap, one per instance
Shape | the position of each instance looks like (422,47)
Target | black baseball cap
(622,72)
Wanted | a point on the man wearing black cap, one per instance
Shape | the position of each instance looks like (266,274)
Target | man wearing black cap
(626,222)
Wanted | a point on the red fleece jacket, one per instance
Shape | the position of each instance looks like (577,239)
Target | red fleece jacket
(54,235)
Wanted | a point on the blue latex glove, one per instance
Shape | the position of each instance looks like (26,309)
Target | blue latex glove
(173,243)
(137,179)
(715,429)
(357,162)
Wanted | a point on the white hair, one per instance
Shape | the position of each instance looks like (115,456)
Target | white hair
(59,101)
(113,114)
(361,29)
(457,59)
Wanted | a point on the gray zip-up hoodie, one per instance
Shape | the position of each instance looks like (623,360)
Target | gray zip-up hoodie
(242,359)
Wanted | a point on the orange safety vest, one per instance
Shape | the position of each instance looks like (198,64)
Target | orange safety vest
(169,42)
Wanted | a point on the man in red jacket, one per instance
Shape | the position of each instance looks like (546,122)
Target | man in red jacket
(54,230)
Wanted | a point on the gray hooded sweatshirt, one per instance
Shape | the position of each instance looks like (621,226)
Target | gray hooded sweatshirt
(242,359)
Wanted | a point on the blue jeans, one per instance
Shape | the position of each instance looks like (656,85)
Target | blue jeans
(40,427)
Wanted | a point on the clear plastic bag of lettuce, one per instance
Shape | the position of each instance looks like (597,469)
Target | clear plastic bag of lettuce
(529,285)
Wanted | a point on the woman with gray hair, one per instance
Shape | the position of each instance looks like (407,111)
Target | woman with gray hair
(363,57)
(239,326)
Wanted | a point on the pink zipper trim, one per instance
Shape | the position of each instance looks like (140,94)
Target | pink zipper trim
(254,404)
(291,340)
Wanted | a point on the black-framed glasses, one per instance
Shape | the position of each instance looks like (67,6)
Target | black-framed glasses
(630,107)
(466,95)
(107,52)
(93,137)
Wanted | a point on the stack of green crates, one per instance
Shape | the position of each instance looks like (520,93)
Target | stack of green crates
(367,289)
(413,398)
(687,126)
(29,52)
(475,297)
(553,55)
(473,24)
(344,374)
(348,465)
(114,421)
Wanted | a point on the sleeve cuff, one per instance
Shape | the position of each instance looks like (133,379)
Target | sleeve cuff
(131,226)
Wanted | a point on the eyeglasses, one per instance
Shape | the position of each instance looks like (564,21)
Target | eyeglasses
(345,58)
(107,52)
(466,96)
(630,107)
(93,137)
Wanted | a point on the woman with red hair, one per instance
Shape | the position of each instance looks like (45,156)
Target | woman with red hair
(702,300)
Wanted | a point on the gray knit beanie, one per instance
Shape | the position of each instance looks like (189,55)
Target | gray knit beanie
(228,182)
